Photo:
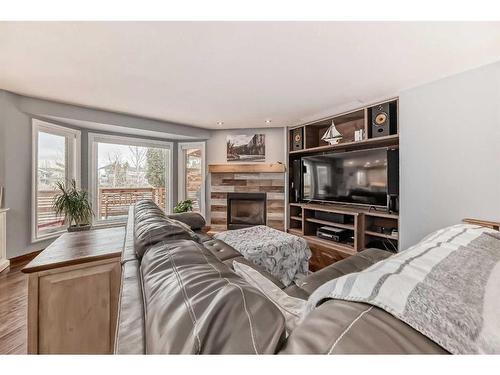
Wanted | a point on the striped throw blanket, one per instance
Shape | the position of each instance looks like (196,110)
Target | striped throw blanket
(447,287)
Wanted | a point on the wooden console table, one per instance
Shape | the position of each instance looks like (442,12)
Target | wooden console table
(73,291)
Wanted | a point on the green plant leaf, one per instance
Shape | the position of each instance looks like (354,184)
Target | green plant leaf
(73,203)
(183,206)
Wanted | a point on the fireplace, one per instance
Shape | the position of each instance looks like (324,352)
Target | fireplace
(245,210)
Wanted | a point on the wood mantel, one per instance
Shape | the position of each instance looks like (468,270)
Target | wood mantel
(247,168)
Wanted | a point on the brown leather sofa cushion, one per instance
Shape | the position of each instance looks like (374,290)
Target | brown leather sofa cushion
(341,327)
(221,250)
(297,292)
(202,236)
(152,227)
(148,207)
(196,304)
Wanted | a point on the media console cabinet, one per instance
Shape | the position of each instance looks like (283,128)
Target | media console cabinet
(364,224)
(73,290)
(304,223)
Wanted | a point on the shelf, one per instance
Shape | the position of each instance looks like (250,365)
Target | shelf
(382,235)
(382,214)
(330,208)
(390,140)
(295,231)
(331,223)
(346,210)
(298,218)
(341,247)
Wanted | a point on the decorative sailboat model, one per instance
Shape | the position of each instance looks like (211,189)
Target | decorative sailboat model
(332,135)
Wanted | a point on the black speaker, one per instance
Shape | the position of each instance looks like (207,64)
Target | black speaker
(393,172)
(393,180)
(297,140)
(383,119)
(393,203)
(295,181)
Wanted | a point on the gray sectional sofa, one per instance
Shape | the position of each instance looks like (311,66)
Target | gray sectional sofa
(179,295)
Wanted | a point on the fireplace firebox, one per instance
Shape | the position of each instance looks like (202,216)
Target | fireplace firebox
(246,210)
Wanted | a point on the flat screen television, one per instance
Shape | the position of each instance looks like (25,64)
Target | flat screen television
(356,177)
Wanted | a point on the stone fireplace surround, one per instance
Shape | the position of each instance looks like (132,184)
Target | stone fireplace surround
(247,178)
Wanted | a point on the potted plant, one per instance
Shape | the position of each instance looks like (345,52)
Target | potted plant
(74,204)
(184,206)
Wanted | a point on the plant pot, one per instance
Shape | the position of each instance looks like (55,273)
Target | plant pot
(79,228)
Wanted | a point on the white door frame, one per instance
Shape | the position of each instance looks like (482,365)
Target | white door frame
(72,165)
(181,173)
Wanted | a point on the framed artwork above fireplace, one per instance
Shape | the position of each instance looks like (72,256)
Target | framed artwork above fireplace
(246,147)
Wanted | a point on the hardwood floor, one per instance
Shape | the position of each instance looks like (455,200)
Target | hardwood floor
(13,310)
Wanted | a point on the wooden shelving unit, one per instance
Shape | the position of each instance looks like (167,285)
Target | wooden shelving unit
(295,231)
(325,222)
(343,248)
(366,227)
(358,220)
(382,235)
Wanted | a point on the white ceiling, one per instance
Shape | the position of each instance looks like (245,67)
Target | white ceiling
(92,125)
(241,73)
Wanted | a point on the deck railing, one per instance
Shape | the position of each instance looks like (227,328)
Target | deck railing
(112,202)
(46,215)
(116,201)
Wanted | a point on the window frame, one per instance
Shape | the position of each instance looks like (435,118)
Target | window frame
(72,164)
(94,139)
(181,172)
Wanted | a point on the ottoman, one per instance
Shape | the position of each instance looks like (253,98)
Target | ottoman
(283,255)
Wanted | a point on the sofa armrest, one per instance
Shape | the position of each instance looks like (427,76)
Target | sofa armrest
(192,219)
(130,334)
(355,263)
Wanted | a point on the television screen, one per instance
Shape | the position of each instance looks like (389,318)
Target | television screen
(351,177)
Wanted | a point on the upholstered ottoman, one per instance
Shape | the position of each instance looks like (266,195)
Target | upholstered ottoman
(283,255)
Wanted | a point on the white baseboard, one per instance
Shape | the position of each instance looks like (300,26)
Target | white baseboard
(4,263)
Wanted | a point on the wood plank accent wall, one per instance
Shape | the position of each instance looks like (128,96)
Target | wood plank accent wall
(271,183)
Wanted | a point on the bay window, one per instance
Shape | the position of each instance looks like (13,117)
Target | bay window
(124,170)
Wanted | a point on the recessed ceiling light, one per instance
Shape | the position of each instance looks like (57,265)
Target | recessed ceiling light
(268,121)
(220,122)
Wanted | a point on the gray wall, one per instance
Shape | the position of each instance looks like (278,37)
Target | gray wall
(17,176)
(450,152)
(15,154)
(275,144)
